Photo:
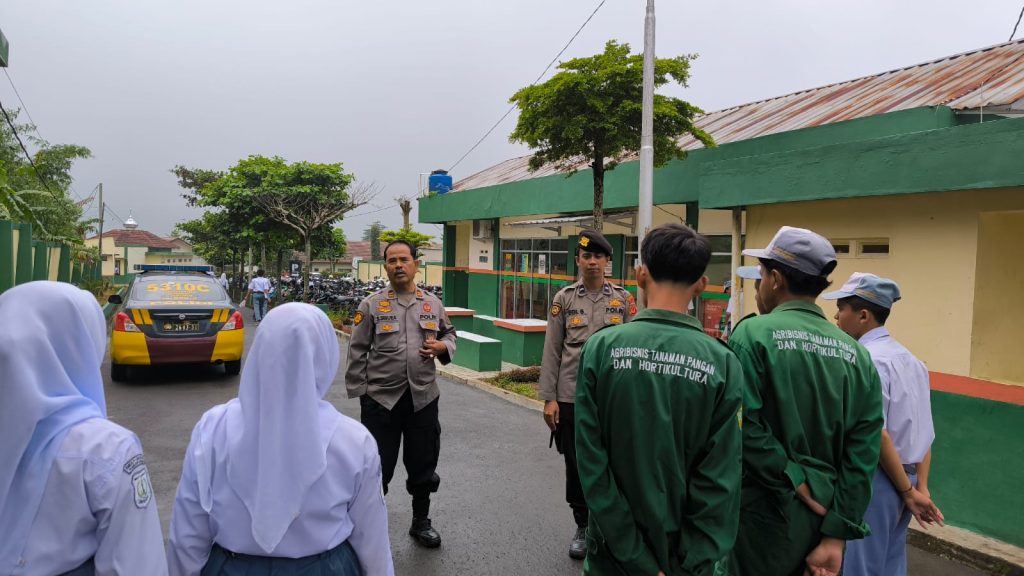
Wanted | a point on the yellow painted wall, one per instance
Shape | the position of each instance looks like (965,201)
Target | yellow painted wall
(463,234)
(998,309)
(427,274)
(54,264)
(933,245)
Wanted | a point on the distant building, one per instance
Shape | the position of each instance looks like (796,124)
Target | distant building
(126,247)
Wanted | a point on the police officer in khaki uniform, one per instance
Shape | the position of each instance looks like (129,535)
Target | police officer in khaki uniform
(397,333)
(577,311)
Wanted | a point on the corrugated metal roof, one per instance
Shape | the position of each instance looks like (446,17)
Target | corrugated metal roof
(987,77)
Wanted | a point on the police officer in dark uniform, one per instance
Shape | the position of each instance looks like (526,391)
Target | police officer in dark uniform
(396,335)
(577,311)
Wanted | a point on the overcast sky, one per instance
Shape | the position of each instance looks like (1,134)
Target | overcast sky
(393,89)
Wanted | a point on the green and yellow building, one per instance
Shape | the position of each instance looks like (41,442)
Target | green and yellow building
(916,174)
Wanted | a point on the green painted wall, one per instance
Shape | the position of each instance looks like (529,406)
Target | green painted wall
(64,266)
(40,260)
(24,269)
(482,293)
(968,157)
(978,465)
(678,181)
(6,255)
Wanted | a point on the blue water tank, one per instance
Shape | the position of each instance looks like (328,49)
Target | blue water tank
(439,182)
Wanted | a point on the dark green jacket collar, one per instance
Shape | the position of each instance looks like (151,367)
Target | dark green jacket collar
(669,316)
(800,305)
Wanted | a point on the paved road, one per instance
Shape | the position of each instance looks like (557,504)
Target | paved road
(500,509)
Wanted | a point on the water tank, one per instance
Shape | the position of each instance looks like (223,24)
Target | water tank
(439,182)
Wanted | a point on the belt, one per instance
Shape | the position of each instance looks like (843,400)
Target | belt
(910,468)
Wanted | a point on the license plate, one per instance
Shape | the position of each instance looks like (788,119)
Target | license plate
(181,327)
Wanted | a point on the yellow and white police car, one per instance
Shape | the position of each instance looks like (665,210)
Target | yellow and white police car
(175,315)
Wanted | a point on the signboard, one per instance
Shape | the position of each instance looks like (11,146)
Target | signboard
(542,263)
(295,267)
(5,50)
(712,311)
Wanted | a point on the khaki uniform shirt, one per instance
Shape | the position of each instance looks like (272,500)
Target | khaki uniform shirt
(383,356)
(574,316)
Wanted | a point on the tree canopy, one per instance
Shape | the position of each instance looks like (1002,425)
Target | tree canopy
(589,115)
(407,234)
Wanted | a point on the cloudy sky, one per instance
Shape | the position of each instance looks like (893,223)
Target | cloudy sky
(395,88)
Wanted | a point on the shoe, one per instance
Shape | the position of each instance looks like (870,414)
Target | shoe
(578,546)
(424,533)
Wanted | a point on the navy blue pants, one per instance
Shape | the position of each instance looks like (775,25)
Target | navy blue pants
(339,561)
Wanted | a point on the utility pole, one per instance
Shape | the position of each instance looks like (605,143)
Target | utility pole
(646,204)
(101,231)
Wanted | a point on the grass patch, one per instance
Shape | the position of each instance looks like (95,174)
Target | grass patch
(522,381)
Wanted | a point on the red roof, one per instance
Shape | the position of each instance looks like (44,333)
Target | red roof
(138,238)
(358,248)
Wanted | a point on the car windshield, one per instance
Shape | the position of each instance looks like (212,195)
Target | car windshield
(178,290)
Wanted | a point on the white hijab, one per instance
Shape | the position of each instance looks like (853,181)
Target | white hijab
(51,348)
(279,430)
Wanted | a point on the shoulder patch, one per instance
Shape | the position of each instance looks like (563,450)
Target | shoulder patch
(358,319)
(555,310)
(133,463)
(142,488)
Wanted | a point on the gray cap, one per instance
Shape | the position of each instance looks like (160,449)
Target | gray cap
(880,291)
(749,272)
(798,248)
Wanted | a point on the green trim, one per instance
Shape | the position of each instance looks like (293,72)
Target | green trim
(6,255)
(677,182)
(5,51)
(968,157)
(64,265)
(23,273)
(976,474)
(40,260)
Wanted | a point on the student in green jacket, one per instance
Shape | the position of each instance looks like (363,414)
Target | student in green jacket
(658,436)
(812,419)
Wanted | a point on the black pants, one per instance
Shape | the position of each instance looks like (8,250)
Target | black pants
(567,440)
(422,434)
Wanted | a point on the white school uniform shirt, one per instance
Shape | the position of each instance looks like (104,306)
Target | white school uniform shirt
(906,395)
(259,284)
(98,503)
(278,471)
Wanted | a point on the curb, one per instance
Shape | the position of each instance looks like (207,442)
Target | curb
(477,383)
(980,552)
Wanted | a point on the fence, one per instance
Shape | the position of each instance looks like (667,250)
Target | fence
(24,259)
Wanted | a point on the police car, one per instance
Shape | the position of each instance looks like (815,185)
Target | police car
(175,315)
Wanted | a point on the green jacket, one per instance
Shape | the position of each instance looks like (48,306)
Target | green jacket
(658,445)
(812,413)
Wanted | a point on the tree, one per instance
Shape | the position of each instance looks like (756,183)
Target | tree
(411,236)
(405,204)
(331,248)
(589,115)
(37,192)
(372,234)
(303,196)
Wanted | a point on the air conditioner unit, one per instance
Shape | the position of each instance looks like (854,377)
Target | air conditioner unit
(482,229)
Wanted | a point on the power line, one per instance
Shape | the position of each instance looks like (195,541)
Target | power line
(25,150)
(546,68)
(32,123)
(370,212)
(1014,33)
(23,107)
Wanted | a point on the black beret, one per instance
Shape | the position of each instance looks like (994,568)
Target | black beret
(592,241)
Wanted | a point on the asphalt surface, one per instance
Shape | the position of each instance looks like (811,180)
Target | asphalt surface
(500,509)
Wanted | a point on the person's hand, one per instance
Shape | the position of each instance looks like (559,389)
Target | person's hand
(826,559)
(551,414)
(803,492)
(924,510)
(432,348)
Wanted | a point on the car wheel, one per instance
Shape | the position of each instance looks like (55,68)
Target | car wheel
(118,372)
(233,367)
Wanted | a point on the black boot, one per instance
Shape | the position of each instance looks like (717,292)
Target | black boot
(578,546)
(424,533)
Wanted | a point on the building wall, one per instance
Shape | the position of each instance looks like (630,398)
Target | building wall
(933,240)
(999,285)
